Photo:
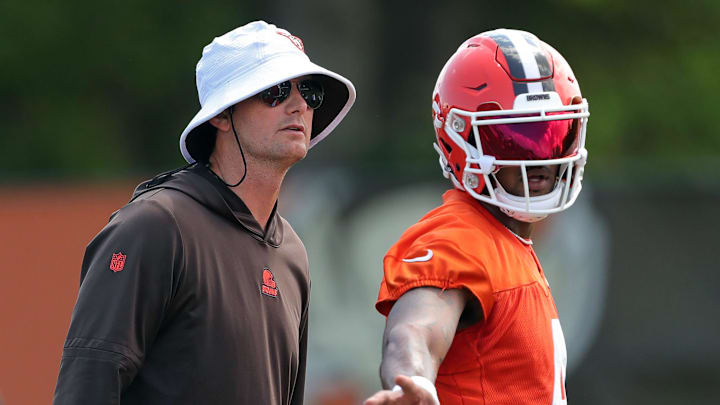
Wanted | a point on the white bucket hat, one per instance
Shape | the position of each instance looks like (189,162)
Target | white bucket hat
(251,58)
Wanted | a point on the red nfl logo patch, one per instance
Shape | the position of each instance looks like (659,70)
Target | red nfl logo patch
(117,262)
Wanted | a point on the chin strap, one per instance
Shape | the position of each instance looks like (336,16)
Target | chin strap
(232,123)
(546,201)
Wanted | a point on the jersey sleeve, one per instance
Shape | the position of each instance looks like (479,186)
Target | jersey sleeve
(434,259)
(129,273)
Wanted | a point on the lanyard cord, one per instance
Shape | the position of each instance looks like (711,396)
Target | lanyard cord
(232,123)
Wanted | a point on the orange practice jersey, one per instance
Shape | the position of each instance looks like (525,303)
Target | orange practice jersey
(516,354)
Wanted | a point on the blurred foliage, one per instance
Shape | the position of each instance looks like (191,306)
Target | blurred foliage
(102,90)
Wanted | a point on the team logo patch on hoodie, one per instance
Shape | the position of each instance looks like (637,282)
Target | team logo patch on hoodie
(268,287)
(117,263)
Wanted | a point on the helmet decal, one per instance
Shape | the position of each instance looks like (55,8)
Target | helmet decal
(526,60)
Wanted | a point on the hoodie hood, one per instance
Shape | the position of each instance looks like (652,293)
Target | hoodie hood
(200,184)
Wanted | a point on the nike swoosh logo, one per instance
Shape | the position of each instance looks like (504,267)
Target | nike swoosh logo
(425,258)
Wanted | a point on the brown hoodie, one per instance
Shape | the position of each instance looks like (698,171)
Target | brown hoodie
(185,300)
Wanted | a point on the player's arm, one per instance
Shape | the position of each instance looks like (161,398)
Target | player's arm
(419,331)
(119,309)
(298,393)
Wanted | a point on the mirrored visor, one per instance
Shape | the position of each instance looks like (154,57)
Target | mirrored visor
(538,140)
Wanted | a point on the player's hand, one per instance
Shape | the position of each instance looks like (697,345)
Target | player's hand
(411,394)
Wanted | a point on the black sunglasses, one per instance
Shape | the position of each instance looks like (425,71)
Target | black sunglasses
(310,90)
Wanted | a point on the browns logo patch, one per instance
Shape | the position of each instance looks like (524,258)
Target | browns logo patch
(269,286)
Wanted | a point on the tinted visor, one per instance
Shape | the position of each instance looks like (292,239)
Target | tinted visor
(538,140)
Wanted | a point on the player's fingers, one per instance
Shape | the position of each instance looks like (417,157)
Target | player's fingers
(408,386)
(403,380)
(382,398)
(413,392)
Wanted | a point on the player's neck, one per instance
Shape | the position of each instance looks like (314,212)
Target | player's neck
(259,190)
(519,228)
(260,198)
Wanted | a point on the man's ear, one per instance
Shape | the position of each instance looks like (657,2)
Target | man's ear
(221,121)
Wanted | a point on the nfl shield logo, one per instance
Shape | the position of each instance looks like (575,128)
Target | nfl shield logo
(118,262)
(295,40)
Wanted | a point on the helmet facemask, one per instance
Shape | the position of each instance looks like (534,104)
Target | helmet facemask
(553,134)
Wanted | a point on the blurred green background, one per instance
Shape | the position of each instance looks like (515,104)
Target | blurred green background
(99,93)
(102,90)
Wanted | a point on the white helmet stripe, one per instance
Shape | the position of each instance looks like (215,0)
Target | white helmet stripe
(526,53)
(525,59)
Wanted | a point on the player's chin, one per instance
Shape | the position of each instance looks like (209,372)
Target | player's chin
(296,152)
(540,192)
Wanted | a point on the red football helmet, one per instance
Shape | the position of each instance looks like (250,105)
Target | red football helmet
(505,98)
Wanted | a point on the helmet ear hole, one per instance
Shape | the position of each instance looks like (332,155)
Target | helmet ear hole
(446,146)
(471,140)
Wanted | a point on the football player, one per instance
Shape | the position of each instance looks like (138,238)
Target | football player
(470,315)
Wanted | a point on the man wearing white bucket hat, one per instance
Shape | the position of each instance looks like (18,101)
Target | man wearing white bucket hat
(197,290)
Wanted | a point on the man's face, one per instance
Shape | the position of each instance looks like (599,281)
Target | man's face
(541,179)
(274,134)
